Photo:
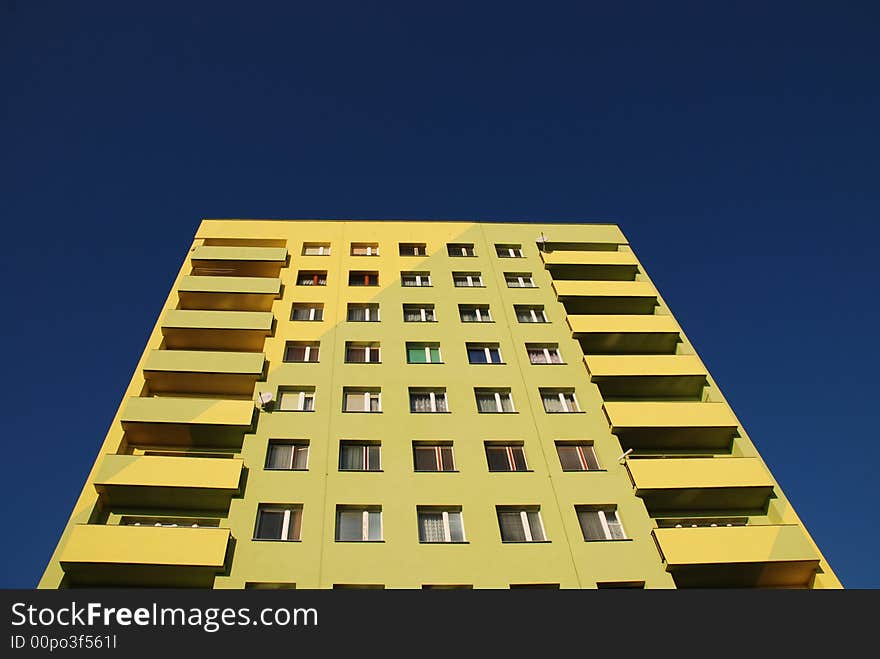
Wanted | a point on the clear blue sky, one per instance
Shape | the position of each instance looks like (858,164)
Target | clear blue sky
(736,143)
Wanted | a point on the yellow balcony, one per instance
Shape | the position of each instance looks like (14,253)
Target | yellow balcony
(619,334)
(202,371)
(647,376)
(606,297)
(214,412)
(235,261)
(738,556)
(143,556)
(682,484)
(216,330)
(228,293)
(591,265)
(168,482)
(672,425)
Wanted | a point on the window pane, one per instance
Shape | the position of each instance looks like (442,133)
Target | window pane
(357,314)
(431,527)
(476,355)
(412,315)
(416,355)
(537,357)
(293,530)
(301,457)
(351,457)
(375,525)
(519,458)
(447,459)
(497,458)
(569,458)
(486,403)
(270,524)
(354,402)
(552,403)
(425,458)
(535,526)
(349,525)
(280,456)
(506,402)
(614,525)
(289,400)
(511,526)
(373,458)
(591,526)
(440,401)
(456,530)
(589,454)
(435,355)
(419,402)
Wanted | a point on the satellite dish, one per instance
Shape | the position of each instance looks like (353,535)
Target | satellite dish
(265,398)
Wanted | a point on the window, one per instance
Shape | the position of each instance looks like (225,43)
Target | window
(467,279)
(427,400)
(680,522)
(412,249)
(287,456)
(301,351)
(600,523)
(577,456)
(415,278)
(296,400)
(519,280)
(365,249)
(506,457)
(484,353)
(423,353)
(311,278)
(363,313)
(440,524)
(358,524)
(419,313)
(530,313)
(307,311)
(492,401)
(316,249)
(474,313)
(559,401)
(361,353)
(363,278)
(520,524)
(361,400)
(278,522)
(359,456)
(433,457)
(509,251)
(460,249)
(544,353)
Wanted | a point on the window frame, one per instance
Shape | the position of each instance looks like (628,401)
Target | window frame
(470,277)
(286,528)
(583,459)
(433,395)
(426,347)
(447,529)
(498,397)
(533,311)
(487,353)
(304,395)
(509,451)
(521,278)
(371,278)
(372,249)
(314,308)
(364,448)
(525,525)
(421,279)
(367,307)
(314,274)
(478,310)
(468,250)
(513,251)
(320,246)
(561,395)
(437,449)
(295,445)
(423,309)
(416,247)
(602,512)
(368,395)
(548,350)
(368,347)
(365,522)
(309,346)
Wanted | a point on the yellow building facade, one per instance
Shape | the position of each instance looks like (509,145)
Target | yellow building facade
(413,404)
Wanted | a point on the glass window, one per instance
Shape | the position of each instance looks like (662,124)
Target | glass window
(427,400)
(423,353)
(577,457)
(600,523)
(474,313)
(460,249)
(520,524)
(359,456)
(301,351)
(506,457)
(363,278)
(419,313)
(296,400)
(488,353)
(290,456)
(439,525)
(412,249)
(540,353)
(278,522)
(509,251)
(492,401)
(311,278)
(467,279)
(363,313)
(358,524)
(362,353)
(433,457)
(530,314)
(365,249)
(361,400)
(415,278)
(316,249)
(306,311)
(559,401)
(519,280)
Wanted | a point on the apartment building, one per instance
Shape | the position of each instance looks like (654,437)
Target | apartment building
(425,404)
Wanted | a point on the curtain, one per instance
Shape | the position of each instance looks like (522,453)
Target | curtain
(468,315)
(358,314)
(300,313)
(456,530)
(349,525)
(280,456)
(537,357)
(374,525)
(351,457)
(270,524)
(511,526)
(354,402)
(412,315)
(486,403)
(552,403)
(300,457)
(591,525)
(614,525)
(420,402)
(295,525)
(431,527)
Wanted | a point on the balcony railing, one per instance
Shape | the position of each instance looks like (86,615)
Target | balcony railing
(203,371)
(647,376)
(672,425)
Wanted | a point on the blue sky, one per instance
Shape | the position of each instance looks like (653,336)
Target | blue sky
(735,143)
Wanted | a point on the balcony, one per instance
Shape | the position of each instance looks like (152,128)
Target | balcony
(168,482)
(605,266)
(204,372)
(672,425)
(228,261)
(216,330)
(617,334)
(647,376)
(606,297)
(204,412)
(687,484)
(228,293)
(144,556)
(738,556)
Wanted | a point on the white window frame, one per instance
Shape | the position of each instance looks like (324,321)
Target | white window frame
(521,281)
(433,395)
(415,249)
(304,395)
(547,355)
(526,527)
(371,251)
(447,531)
(465,249)
(508,451)
(294,446)
(368,398)
(365,524)
(423,311)
(365,455)
(307,355)
(321,249)
(367,307)
(419,280)
(606,526)
(512,252)
(312,312)
(487,350)
(438,455)
(285,524)
(367,353)
(533,312)
(320,274)
(582,459)
(499,406)
(470,279)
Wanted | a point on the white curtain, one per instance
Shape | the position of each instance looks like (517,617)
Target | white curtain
(431,527)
